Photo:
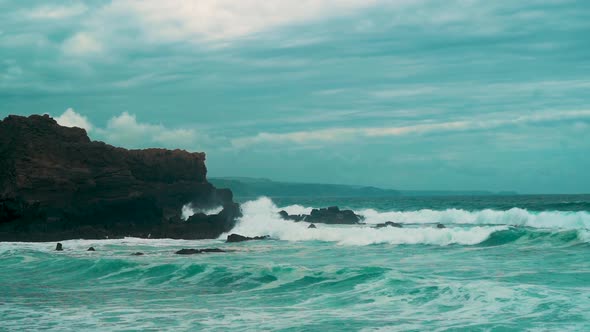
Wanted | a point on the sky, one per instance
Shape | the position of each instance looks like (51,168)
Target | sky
(422,94)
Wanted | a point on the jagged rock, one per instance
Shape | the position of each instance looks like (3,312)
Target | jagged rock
(330,215)
(55,183)
(333,215)
(440,226)
(292,217)
(198,251)
(311,226)
(240,238)
(59,247)
(91,249)
(137,254)
(389,224)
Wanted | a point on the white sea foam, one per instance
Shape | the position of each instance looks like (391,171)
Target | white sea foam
(463,227)
(261,218)
(297,209)
(584,235)
(514,217)
(188,210)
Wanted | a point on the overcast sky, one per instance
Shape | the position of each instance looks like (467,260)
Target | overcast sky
(423,94)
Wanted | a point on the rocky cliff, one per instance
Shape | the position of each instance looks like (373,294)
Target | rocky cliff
(55,183)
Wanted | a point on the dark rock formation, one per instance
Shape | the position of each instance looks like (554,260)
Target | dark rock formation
(91,249)
(240,238)
(198,251)
(292,217)
(389,224)
(333,215)
(55,183)
(440,226)
(137,254)
(59,247)
(330,215)
(311,226)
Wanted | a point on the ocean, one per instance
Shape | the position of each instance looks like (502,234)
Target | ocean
(503,263)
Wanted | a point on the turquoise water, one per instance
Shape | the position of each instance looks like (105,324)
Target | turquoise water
(496,269)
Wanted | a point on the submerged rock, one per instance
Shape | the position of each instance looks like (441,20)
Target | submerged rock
(241,238)
(440,226)
(59,247)
(311,226)
(197,251)
(91,249)
(389,224)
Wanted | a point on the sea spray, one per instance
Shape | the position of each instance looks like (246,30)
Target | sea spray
(188,210)
(260,217)
(512,217)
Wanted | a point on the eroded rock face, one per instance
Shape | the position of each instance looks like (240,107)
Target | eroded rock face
(55,183)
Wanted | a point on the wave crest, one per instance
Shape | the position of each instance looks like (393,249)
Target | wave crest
(260,217)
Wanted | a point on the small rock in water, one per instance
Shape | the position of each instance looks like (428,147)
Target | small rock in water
(241,238)
(59,247)
(440,226)
(137,254)
(91,249)
(197,251)
(311,226)
(389,224)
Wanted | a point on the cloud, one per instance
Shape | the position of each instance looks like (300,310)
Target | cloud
(343,134)
(82,44)
(181,20)
(300,137)
(126,130)
(56,12)
(70,118)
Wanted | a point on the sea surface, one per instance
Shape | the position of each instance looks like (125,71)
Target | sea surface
(514,263)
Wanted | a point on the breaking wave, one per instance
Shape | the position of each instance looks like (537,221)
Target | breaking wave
(488,227)
(188,210)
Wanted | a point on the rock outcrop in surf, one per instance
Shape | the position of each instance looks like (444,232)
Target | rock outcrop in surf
(199,251)
(329,215)
(55,184)
(389,224)
(232,238)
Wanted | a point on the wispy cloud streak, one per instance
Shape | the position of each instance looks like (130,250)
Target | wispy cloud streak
(342,134)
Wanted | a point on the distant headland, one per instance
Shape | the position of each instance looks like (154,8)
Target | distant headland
(254,187)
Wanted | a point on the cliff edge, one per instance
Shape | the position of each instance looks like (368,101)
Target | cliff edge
(55,183)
